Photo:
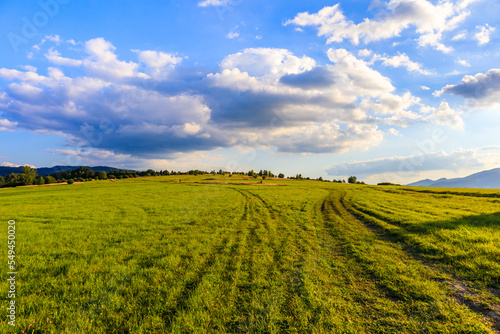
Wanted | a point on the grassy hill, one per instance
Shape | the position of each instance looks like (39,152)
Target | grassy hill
(210,254)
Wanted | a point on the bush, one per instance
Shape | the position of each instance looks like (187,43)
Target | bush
(387,184)
(102,175)
(39,180)
(71,181)
(50,179)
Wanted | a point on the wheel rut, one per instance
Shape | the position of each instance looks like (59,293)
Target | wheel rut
(461,293)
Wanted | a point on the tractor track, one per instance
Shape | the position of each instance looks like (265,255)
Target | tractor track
(460,292)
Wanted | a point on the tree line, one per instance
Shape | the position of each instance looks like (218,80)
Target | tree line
(29,176)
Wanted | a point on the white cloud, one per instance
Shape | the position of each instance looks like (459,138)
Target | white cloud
(401,60)
(425,88)
(158,60)
(104,63)
(325,138)
(8,164)
(6,125)
(483,35)
(394,132)
(27,76)
(445,115)
(232,35)
(160,64)
(429,20)
(235,79)
(265,61)
(54,38)
(365,53)
(24,90)
(259,97)
(433,39)
(345,91)
(29,68)
(55,58)
(357,73)
(95,157)
(459,36)
(398,107)
(462,62)
(207,3)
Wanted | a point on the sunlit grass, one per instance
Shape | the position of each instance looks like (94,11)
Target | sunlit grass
(172,254)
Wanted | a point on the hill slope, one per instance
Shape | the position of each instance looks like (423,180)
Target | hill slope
(489,179)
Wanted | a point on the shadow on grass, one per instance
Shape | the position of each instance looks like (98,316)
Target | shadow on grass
(436,242)
(485,220)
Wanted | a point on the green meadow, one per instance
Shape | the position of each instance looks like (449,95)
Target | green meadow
(219,254)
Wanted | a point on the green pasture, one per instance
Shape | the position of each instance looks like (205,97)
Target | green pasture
(214,254)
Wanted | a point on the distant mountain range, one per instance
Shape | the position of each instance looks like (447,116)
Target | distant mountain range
(44,171)
(489,179)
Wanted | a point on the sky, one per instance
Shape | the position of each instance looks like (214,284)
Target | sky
(396,91)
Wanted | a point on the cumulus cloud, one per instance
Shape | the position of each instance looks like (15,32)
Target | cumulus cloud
(401,60)
(357,73)
(482,89)
(483,35)
(158,60)
(258,62)
(159,64)
(395,16)
(259,97)
(104,63)
(445,115)
(326,138)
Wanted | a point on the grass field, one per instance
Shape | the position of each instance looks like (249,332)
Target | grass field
(185,254)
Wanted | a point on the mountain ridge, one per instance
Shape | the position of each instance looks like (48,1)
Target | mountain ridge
(487,179)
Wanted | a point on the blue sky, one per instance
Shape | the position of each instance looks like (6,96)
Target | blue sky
(394,90)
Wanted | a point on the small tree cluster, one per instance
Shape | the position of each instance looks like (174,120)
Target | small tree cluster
(26,178)
(354,180)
